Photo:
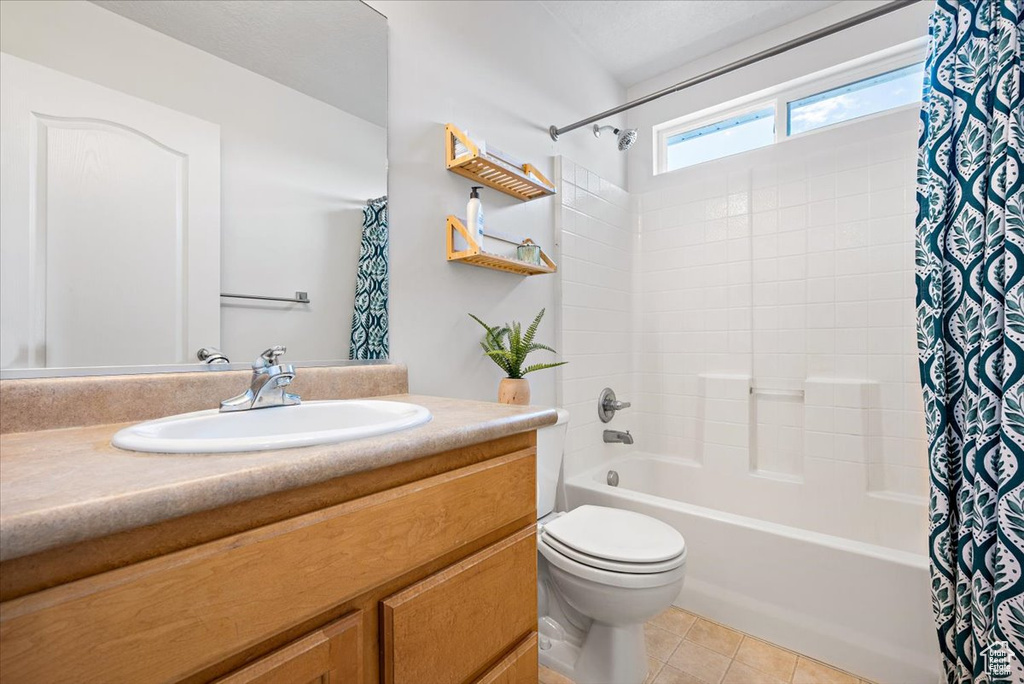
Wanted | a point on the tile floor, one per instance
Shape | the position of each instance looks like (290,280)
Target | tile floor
(684,648)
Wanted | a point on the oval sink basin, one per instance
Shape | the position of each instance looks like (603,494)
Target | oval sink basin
(280,427)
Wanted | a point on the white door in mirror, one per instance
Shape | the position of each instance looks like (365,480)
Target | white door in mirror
(282,427)
(126,199)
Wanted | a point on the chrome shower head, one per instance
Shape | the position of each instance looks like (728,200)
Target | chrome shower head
(625,138)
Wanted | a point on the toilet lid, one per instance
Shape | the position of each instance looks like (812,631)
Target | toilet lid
(616,535)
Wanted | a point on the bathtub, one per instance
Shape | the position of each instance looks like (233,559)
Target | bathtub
(863,607)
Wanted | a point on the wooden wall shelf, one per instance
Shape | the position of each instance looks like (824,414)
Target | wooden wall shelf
(464,157)
(474,256)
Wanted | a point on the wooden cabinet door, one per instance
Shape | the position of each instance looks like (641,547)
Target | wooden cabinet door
(332,654)
(518,667)
(455,624)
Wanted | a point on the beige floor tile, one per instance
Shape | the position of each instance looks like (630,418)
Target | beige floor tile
(654,667)
(767,658)
(812,672)
(674,620)
(700,662)
(713,654)
(660,643)
(716,637)
(670,675)
(744,674)
(547,676)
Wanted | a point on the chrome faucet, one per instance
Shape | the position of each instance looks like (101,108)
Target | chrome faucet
(211,355)
(617,437)
(266,389)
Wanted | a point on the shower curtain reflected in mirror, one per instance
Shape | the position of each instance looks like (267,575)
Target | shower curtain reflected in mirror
(370,313)
(970,264)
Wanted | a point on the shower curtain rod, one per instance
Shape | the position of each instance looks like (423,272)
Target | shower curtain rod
(739,64)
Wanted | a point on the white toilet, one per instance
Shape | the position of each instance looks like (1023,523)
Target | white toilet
(602,573)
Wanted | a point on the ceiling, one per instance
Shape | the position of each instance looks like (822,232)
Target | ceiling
(335,52)
(636,40)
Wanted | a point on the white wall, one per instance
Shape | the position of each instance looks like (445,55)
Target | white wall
(596,225)
(790,269)
(505,71)
(295,171)
(786,268)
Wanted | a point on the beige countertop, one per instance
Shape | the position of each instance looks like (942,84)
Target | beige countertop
(63,486)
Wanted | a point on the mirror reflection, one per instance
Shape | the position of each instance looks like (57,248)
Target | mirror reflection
(221,191)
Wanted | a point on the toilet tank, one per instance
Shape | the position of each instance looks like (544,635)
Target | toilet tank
(550,446)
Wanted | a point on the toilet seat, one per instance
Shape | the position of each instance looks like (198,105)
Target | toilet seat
(610,578)
(612,565)
(613,546)
(615,535)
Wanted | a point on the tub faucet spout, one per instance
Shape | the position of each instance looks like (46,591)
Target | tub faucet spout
(618,437)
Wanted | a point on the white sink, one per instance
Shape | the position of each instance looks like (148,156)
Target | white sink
(281,427)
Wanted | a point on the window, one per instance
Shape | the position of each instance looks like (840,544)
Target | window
(868,96)
(734,135)
(878,83)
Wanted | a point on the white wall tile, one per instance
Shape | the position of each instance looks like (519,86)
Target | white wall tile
(792,272)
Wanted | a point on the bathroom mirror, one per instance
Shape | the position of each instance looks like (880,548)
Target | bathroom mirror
(180,175)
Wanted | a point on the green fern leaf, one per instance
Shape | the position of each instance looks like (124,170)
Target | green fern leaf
(542,366)
(532,330)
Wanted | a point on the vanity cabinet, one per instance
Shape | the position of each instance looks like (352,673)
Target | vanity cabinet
(430,581)
(330,655)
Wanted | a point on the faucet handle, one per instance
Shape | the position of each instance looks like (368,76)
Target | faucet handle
(607,405)
(269,357)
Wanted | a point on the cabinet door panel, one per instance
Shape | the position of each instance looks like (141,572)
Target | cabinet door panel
(330,655)
(454,624)
(518,667)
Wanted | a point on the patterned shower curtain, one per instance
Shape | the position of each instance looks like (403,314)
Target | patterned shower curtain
(370,312)
(970,298)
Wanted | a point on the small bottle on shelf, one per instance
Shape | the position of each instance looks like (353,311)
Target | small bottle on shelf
(475,216)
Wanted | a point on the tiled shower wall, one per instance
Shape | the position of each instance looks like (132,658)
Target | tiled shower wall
(773,311)
(596,228)
(792,265)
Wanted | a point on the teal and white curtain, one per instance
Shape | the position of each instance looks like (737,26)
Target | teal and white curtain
(970,302)
(370,312)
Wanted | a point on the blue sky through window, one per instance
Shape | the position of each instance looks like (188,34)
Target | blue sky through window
(738,134)
(869,96)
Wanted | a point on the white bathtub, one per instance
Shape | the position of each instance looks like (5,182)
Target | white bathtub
(862,607)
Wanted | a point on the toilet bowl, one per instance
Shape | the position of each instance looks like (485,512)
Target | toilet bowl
(602,573)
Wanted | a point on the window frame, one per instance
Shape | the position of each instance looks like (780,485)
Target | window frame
(749,108)
(781,95)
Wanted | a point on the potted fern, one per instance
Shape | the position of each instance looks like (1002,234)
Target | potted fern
(508,346)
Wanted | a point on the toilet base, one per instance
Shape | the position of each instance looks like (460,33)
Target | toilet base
(612,654)
(609,654)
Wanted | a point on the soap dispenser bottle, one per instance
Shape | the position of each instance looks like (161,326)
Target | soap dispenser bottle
(475,216)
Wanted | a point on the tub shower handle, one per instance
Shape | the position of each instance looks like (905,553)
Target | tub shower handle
(607,405)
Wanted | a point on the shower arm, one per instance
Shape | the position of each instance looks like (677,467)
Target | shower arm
(739,64)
